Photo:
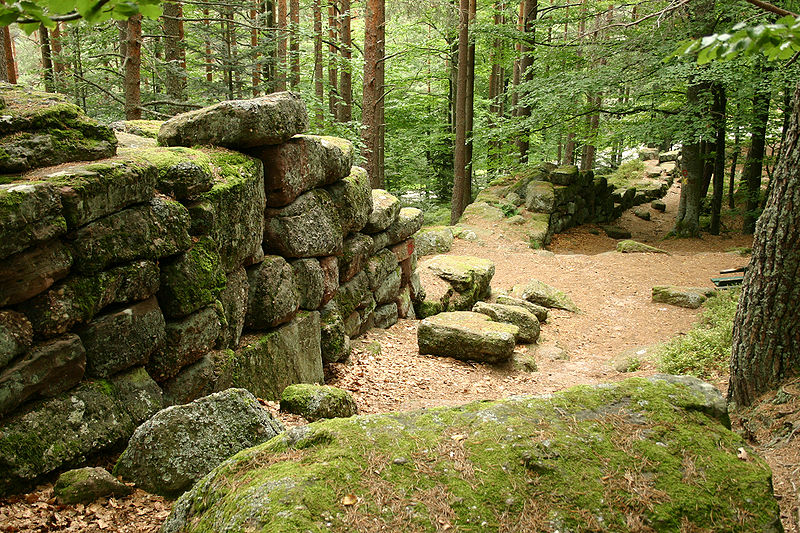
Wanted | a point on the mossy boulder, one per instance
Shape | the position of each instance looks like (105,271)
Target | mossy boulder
(85,485)
(186,341)
(483,211)
(28,273)
(334,343)
(314,402)
(539,311)
(408,222)
(543,294)
(538,230)
(273,298)
(30,213)
(303,163)
(689,297)
(233,302)
(151,231)
(433,240)
(350,295)
(268,363)
(232,212)
(122,339)
(357,248)
(386,315)
(642,212)
(526,322)
(16,335)
(615,232)
(311,226)
(632,247)
(43,129)
(182,173)
(539,197)
(379,267)
(78,298)
(466,336)
(560,462)
(389,289)
(192,280)
(564,175)
(385,210)
(142,128)
(310,280)
(352,197)
(469,277)
(659,205)
(182,443)
(62,432)
(271,119)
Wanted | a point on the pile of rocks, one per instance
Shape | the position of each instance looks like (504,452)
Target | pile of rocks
(165,274)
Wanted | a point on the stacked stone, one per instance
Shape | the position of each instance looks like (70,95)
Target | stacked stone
(167,274)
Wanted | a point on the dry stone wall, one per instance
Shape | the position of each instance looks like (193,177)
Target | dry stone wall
(165,273)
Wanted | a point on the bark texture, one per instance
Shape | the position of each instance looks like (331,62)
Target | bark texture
(460,178)
(372,114)
(133,63)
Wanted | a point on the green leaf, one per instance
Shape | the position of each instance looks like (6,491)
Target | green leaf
(151,11)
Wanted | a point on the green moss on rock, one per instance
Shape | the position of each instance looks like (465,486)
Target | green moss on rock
(314,402)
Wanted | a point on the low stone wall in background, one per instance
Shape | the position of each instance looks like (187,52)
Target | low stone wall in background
(160,275)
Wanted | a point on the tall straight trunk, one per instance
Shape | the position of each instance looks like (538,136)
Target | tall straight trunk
(708,163)
(720,104)
(58,54)
(469,108)
(209,58)
(753,165)
(345,113)
(737,147)
(47,59)
(280,67)
(175,75)
(80,91)
(516,76)
(380,72)
(8,67)
(254,21)
(270,59)
(318,89)
(530,10)
(766,339)
(333,63)
(294,42)
(227,30)
(373,92)
(133,64)
(687,223)
(496,83)
(460,177)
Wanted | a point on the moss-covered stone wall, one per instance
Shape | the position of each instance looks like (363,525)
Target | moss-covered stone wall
(156,275)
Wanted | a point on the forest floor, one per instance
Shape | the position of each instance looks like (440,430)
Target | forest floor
(617,318)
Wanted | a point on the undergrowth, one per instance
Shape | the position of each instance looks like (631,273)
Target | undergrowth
(705,351)
(627,172)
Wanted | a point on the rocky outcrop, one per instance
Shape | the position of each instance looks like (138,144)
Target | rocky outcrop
(433,240)
(689,297)
(527,463)
(182,443)
(467,336)
(85,485)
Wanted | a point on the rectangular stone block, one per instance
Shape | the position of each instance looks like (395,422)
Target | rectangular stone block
(30,212)
(403,250)
(186,341)
(356,250)
(28,273)
(311,226)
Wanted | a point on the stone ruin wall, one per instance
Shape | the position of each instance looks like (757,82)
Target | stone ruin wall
(164,274)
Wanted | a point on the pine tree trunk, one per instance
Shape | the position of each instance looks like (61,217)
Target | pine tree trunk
(687,223)
(720,104)
(530,10)
(766,336)
(333,63)
(133,63)
(254,19)
(209,59)
(496,85)
(318,89)
(469,108)
(345,113)
(8,67)
(175,75)
(460,178)
(294,42)
(754,164)
(280,67)
(372,103)
(47,59)
(58,54)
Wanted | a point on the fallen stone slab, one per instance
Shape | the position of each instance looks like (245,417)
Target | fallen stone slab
(466,336)
(615,232)
(642,212)
(315,402)
(433,240)
(182,443)
(543,294)
(561,453)
(271,119)
(658,205)
(632,247)
(689,297)
(526,321)
(465,274)
(85,485)
(539,311)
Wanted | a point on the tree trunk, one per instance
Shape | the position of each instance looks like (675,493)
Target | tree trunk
(133,63)
(734,160)
(687,223)
(333,63)
(530,10)
(8,67)
(47,59)
(720,104)
(209,59)
(175,77)
(294,42)
(271,51)
(460,183)
(345,112)
(753,165)
(372,105)
(280,68)
(58,54)
(766,336)
(318,89)
(496,85)
(469,107)
(254,21)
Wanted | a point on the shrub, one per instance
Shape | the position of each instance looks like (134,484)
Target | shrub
(626,173)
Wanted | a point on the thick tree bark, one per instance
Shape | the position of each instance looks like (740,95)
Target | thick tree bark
(280,68)
(460,184)
(58,56)
(333,62)
(175,75)
(372,107)
(469,108)
(133,63)
(496,95)
(766,336)
(270,57)
(345,113)
(529,13)
(720,104)
(318,89)
(209,58)
(47,59)
(737,147)
(8,67)
(754,164)
(254,21)
(294,42)
(687,223)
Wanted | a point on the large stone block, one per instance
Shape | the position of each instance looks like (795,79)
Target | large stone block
(286,355)
(386,315)
(232,212)
(379,267)
(385,210)
(78,298)
(526,321)
(123,339)
(357,248)
(62,432)
(330,278)
(186,341)
(389,289)
(150,231)
(303,163)
(566,175)
(273,298)
(30,212)
(192,280)
(466,336)
(180,172)
(353,198)
(197,379)
(26,274)
(309,227)
(309,279)
(543,294)
(16,335)
(47,369)
(350,295)
(271,119)
(408,222)
(689,297)
(42,129)
(334,343)
(234,307)
(539,197)
(433,240)
(465,274)
(90,192)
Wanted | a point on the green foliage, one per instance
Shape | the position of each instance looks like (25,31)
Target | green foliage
(706,350)
(627,173)
(509,210)
(30,14)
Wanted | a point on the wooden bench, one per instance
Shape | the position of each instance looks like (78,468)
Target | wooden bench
(730,281)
